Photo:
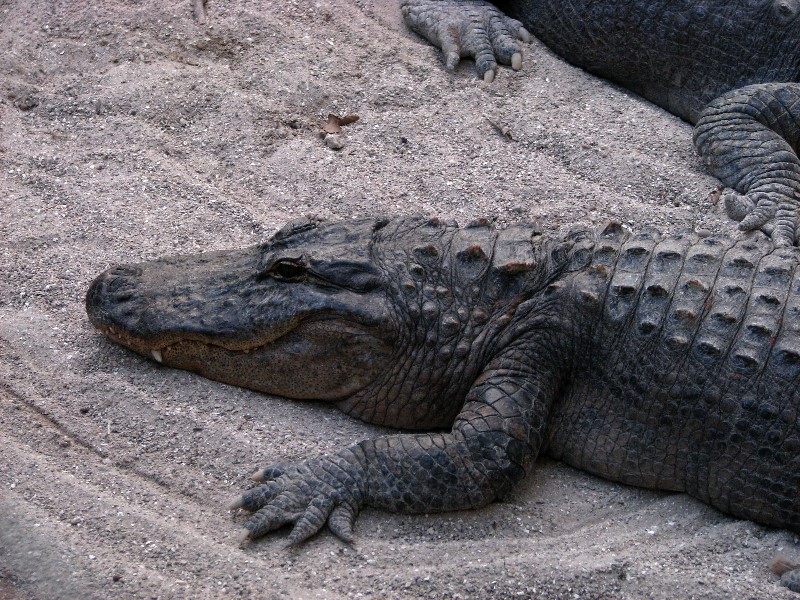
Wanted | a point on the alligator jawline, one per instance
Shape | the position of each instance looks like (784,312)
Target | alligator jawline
(156,351)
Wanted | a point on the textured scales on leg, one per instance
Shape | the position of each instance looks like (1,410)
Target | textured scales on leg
(468,28)
(492,445)
(748,139)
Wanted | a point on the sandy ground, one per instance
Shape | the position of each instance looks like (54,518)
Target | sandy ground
(129,131)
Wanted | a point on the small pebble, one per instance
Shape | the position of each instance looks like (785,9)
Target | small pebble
(29,102)
(334,141)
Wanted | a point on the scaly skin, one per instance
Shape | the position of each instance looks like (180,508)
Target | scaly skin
(730,67)
(667,363)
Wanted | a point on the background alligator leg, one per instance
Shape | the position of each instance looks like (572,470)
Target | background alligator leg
(749,138)
(468,28)
(494,441)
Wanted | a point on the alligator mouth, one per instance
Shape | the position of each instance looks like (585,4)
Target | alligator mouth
(157,351)
(170,340)
(320,359)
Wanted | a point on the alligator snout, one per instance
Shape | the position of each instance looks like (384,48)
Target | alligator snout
(111,300)
(116,285)
(207,298)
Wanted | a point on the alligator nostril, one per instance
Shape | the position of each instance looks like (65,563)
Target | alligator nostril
(110,291)
(118,285)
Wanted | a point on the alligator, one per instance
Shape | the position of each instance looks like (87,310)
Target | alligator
(730,68)
(664,362)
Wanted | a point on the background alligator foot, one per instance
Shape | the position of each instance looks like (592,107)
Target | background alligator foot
(748,138)
(468,28)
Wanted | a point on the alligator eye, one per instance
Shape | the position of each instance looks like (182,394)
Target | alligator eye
(285,270)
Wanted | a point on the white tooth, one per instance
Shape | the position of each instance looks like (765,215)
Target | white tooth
(156,354)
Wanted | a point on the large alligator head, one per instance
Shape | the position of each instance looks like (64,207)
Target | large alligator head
(391,319)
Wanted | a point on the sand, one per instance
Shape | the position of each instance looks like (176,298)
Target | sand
(130,131)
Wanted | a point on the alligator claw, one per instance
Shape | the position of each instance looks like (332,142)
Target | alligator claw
(307,495)
(313,519)
(268,519)
(341,522)
(773,213)
(244,536)
(468,28)
(270,473)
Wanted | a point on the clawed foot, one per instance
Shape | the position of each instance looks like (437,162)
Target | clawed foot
(773,213)
(328,489)
(468,28)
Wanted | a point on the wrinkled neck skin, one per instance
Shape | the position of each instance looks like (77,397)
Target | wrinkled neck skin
(461,296)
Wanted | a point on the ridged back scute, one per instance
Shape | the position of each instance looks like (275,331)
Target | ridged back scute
(472,249)
(591,284)
(513,251)
(693,298)
(770,277)
(628,278)
(575,252)
(787,344)
(663,270)
(414,248)
(526,261)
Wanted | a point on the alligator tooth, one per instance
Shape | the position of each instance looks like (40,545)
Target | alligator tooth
(156,354)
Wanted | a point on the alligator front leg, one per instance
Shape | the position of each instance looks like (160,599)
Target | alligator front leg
(749,139)
(468,28)
(493,443)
